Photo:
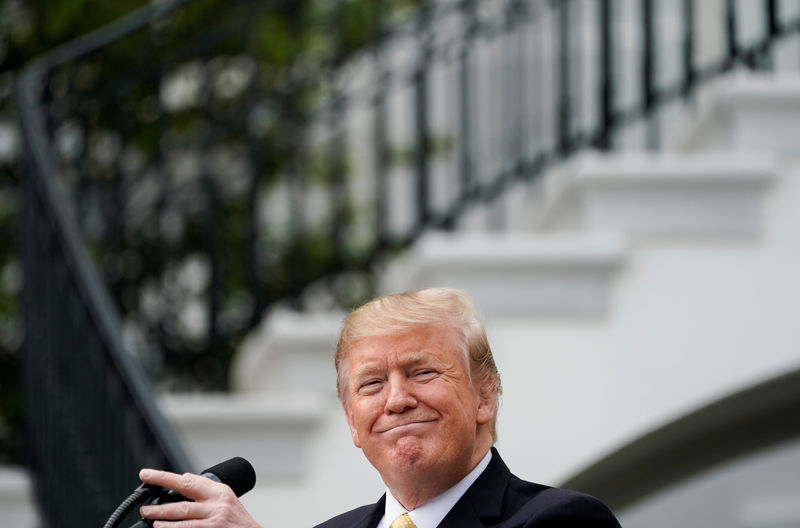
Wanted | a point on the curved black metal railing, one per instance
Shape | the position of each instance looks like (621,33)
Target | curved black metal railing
(227,157)
(214,158)
(90,419)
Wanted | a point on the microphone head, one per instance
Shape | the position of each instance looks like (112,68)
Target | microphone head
(236,473)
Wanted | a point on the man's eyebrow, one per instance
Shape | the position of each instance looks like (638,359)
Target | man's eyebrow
(422,357)
(415,358)
(410,359)
(366,369)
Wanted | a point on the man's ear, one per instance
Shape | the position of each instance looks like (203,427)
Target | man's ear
(487,404)
(351,423)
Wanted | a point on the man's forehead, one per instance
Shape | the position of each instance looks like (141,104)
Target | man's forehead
(381,358)
(377,352)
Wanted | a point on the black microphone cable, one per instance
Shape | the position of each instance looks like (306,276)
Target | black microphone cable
(236,472)
(134,500)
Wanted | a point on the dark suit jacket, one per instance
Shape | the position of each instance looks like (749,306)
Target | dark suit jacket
(501,500)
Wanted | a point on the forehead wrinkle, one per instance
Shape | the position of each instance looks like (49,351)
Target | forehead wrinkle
(416,357)
(402,359)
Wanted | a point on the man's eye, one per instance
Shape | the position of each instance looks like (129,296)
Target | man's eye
(370,386)
(424,373)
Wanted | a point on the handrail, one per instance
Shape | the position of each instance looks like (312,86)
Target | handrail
(90,418)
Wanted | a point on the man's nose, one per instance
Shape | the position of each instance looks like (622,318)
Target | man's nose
(400,395)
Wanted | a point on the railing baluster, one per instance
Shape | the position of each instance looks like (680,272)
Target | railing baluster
(648,74)
(731,37)
(774,27)
(296,185)
(606,101)
(337,182)
(422,146)
(563,125)
(212,235)
(378,212)
(465,100)
(689,73)
(771,31)
(256,284)
(380,209)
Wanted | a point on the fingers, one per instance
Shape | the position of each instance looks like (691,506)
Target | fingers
(215,503)
(191,523)
(175,511)
(225,511)
(189,485)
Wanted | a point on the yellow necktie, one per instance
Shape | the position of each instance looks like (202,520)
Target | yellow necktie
(404,521)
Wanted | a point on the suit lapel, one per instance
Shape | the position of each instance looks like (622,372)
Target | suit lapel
(461,516)
(482,503)
(373,515)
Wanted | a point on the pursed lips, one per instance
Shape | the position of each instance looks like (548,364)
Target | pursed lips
(386,429)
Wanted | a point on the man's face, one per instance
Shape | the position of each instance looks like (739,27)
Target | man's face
(410,404)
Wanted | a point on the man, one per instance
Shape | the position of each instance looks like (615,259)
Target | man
(419,388)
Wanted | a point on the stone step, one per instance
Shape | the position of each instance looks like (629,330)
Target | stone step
(17,507)
(290,351)
(659,195)
(515,273)
(272,432)
(747,113)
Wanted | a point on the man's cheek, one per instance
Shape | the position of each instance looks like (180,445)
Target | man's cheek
(352,424)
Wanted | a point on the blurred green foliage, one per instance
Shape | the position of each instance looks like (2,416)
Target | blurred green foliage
(28,28)
(284,48)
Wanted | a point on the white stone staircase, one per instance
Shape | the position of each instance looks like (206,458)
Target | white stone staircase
(632,289)
(665,195)
(516,273)
(16,498)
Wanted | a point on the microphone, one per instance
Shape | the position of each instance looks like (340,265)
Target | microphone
(237,473)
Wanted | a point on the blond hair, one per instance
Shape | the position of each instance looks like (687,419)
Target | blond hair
(403,312)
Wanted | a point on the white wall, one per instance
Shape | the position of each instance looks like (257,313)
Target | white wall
(16,500)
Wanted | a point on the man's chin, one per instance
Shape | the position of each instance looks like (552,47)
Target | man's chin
(409,453)
(404,454)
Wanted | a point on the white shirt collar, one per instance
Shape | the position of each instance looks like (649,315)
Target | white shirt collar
(430,514)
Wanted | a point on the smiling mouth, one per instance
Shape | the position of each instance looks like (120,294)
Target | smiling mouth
(407,425)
